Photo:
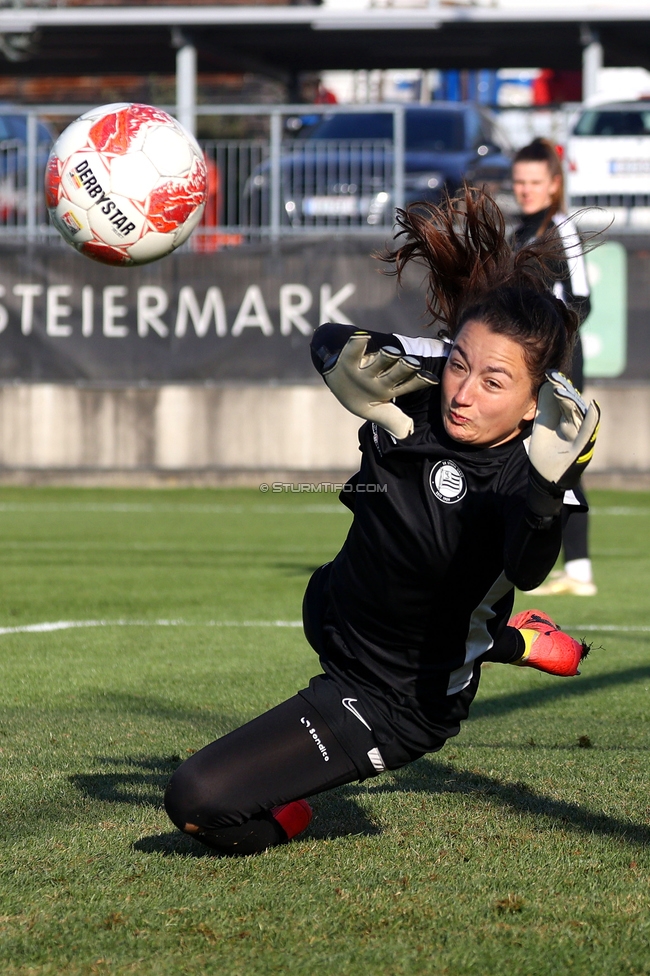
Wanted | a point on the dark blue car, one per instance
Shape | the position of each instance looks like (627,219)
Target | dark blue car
(341,173)
(13,165)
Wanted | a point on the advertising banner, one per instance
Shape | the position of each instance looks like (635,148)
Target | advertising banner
(248,313)
(604,334)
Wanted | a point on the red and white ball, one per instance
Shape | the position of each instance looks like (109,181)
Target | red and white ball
(125,184)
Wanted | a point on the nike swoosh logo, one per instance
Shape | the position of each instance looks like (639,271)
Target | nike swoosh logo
(347,703)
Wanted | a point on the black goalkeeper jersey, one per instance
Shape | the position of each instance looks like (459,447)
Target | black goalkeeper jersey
(571,281)
(441,534)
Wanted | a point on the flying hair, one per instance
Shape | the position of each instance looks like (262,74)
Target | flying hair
(473,272)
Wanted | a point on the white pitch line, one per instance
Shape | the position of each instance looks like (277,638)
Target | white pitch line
(171,547)
(48,627)
(618,510)
(217,509)
(334,507)
(614,628)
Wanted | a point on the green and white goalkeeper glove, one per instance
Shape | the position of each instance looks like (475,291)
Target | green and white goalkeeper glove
(366,383)
(561,444)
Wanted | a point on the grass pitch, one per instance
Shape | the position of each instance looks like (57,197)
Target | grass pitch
(522,848)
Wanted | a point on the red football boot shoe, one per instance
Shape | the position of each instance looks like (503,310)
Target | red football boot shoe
(547,647)
(293,817)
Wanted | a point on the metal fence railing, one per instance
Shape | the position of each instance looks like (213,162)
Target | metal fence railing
(268,186)
(276,184)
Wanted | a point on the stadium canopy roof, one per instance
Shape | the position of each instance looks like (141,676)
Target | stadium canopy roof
(282,40)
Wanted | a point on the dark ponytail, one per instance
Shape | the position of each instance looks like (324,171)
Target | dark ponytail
(473,273)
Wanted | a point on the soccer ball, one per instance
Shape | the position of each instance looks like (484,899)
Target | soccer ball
(125,184)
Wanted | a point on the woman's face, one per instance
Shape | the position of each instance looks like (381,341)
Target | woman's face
(533,186)
(487,392)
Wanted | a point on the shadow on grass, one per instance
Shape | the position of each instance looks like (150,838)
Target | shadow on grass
(141,784)
(561,688)
(171,844)
(132,706)
(296,568)
(517,797)
(339,815)
(336,815)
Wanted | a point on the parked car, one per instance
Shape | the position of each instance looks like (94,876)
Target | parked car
(13,164)
(608,156)
(15,127)
(342,172)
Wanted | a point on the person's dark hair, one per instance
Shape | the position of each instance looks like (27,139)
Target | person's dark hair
(473,273)
(543,151)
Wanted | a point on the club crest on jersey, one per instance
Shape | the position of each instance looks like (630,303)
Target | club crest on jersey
(447,482)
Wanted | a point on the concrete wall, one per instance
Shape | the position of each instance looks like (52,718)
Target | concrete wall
(175,428)
(624,439)
(227,433)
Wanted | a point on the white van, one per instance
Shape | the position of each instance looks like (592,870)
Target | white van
(608,156)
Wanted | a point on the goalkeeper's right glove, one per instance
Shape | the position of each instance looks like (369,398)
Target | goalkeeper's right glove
(366,383)
(561,444)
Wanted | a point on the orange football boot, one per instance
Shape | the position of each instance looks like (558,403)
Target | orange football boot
(547,647)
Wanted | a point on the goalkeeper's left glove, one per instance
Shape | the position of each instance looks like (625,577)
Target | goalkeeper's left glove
(366,383)
(561,444)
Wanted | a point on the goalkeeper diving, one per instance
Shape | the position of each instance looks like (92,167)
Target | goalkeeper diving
(473,443)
